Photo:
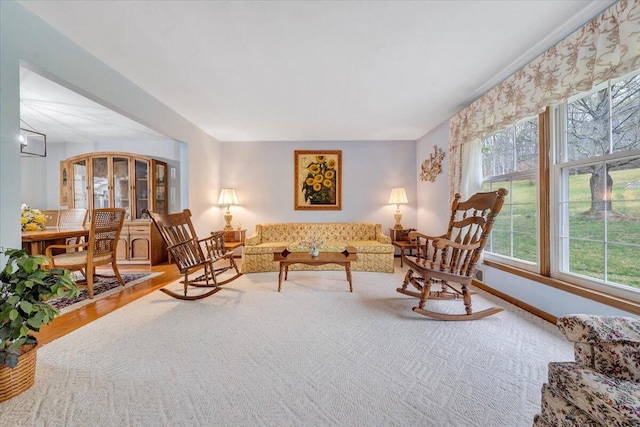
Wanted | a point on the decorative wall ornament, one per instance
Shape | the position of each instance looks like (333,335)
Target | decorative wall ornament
(432,167)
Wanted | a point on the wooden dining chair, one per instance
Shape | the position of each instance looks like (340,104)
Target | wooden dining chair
(52,217)
(100,249)
(191,254)
(450,260)
(72,217)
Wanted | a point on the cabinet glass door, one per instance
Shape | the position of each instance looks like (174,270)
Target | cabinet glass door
(80,185)
(142,187)
(160,187)
(100,172)
(121,185)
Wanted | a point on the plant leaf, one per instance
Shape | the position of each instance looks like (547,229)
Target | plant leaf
(37,320)
(11,360)
(17,344)
(26,306)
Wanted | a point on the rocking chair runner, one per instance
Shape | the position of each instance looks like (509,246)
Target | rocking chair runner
(452,258)
(191,254)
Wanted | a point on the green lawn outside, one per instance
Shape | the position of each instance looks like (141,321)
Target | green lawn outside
(586,233)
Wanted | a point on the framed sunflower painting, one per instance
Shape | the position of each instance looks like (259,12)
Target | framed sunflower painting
(318,180)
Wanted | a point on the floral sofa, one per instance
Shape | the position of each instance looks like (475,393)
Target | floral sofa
(375,251)
(602,386)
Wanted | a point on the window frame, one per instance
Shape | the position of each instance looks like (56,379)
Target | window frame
(509,177)
(559,192)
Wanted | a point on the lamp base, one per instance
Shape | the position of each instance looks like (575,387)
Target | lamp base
(398,217)
(227,219)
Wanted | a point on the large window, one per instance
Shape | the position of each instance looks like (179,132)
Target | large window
(598,180)
(510,160)
(593,222)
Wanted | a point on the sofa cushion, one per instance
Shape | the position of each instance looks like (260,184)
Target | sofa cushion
(610,401)
(295,232)
(558,412)
(327,246)
(263,248)
(540,421)
(371,247)
(608,344)
(615,360)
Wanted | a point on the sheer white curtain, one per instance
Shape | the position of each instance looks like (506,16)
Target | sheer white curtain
(606,47)
(471,181)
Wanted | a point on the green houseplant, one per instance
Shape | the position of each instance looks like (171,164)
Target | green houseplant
(24,289)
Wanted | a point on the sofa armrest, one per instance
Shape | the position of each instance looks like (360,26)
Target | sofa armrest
(584,328)
(383,238)
(256,238)
(252,240)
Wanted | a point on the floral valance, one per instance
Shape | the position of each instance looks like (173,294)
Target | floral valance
(606,47)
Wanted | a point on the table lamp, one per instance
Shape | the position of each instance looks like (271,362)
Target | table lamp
(227,198)
(398,196)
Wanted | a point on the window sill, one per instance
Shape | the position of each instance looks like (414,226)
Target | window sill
(601,297)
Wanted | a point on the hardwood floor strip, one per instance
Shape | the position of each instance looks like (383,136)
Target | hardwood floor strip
(69,322)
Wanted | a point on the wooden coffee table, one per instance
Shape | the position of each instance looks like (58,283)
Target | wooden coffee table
(287,258)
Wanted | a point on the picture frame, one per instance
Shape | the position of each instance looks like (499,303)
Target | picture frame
(33,144)
(64,184)
(318,180)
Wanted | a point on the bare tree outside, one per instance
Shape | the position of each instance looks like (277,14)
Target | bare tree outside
(604,122)
(512,150)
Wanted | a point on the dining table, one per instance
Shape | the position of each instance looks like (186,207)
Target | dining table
(35,242)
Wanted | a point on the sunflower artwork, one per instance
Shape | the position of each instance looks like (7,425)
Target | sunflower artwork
(318,175)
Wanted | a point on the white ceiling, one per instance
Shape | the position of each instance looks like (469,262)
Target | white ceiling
(65,116)
(316,70)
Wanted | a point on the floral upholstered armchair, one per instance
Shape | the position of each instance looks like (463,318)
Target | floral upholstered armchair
(602,386)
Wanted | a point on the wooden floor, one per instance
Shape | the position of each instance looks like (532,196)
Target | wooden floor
(75,319)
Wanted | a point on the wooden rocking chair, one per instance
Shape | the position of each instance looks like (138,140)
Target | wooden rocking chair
(191,254)
(451,258)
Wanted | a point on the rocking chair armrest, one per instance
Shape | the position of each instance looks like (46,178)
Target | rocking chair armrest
(204,239)
(446,276)
(210,241)
(442,243)
(211,244)
(180,244)
(415,236)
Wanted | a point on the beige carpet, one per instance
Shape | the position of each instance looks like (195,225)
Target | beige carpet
(312,355)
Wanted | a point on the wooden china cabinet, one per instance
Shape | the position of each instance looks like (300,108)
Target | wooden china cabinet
(128,181)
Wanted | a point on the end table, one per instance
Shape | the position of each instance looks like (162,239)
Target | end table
(400,239)
(234,239)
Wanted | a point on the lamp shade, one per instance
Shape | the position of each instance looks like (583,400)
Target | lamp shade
(227,197)
(398,196)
